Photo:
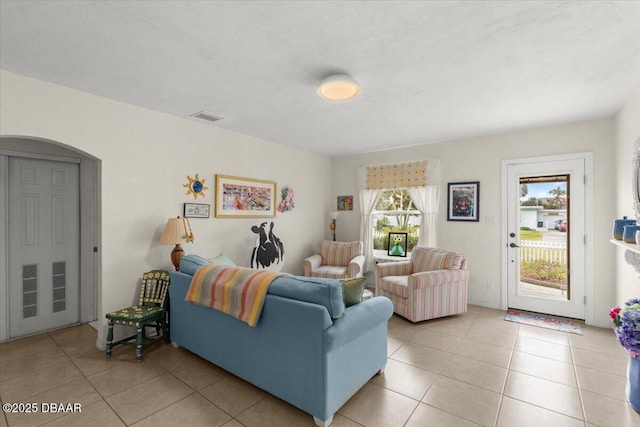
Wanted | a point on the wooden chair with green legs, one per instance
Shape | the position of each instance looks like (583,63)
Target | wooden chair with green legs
(150,312)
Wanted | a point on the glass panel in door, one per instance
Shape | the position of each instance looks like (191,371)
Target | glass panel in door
(544,231)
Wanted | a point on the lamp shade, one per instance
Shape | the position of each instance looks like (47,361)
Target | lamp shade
(338,87)
(334,215)
(176,231)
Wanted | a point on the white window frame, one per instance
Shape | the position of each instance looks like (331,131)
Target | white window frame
(374,215)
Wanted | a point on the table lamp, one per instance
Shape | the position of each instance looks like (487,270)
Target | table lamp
(176,231)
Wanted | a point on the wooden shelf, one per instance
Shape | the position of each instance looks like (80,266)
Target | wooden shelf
(629,246)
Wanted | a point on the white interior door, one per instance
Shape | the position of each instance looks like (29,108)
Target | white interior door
(531,273)
(44,245)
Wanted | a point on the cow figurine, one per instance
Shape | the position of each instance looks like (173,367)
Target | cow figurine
(269,250)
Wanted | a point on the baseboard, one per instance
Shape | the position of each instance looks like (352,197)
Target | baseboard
(485,304)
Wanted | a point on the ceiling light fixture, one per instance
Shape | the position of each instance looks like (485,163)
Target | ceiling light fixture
(338,87)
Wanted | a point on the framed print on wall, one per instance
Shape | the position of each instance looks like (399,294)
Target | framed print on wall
(196,210)
(397,244)
(244,197)
(463,201)
(345,203)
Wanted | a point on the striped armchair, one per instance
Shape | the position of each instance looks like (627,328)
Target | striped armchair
(335,260)
(432,284)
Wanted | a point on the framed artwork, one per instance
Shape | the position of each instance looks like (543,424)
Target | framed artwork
(244,197)
(345,203)
(397,244)
(196,210)
(463,201)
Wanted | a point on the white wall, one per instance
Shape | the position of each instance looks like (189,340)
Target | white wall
(145,159)
(479,159)
(627,124)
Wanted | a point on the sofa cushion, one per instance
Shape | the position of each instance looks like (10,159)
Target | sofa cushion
(330,271)
(338,253)
(222,260)
(431,259)
(192,262)
(317,290)
(352,290)
(397,285)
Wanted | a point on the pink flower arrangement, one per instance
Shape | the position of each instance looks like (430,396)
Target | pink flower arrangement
(627,321)
(614,314)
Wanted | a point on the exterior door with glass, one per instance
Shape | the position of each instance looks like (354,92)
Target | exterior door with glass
(546,241)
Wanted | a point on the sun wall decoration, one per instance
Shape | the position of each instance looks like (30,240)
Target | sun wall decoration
(195,186)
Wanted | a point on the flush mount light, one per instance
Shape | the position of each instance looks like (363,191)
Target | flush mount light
(338,87)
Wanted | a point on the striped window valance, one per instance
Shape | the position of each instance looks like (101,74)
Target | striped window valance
(400,175)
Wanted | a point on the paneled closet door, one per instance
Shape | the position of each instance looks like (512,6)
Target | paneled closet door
(44,237)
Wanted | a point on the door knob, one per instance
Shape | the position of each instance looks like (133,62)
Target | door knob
(512,234)
(513,245)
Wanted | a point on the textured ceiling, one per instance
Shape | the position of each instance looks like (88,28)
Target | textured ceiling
(429,71)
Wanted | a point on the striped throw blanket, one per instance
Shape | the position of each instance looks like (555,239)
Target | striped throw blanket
(237,291)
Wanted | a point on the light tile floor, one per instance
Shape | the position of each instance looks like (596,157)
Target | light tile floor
(466,370)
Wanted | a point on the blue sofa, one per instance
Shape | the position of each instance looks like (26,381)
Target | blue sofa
(307,349)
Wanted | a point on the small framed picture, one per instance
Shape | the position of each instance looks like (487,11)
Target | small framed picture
(397,244)
(196,210)
(345,203)
(463,201)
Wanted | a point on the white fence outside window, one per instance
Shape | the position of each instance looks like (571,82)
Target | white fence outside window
(532,251)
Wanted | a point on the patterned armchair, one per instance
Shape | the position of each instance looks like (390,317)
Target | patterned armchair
(432,284)
(335,260)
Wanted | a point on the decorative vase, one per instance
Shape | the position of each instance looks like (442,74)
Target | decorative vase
(618,226)
(633,382)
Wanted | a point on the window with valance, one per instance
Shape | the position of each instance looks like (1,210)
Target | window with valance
(394,183)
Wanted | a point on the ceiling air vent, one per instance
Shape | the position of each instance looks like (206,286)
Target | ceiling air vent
(206,116)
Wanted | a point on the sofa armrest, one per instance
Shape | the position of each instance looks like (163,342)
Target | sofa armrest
(402,268)
(426,279)
(356,266)
(311,263)
(357,320)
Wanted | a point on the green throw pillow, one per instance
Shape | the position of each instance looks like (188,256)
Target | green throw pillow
(221,260)
(352,290)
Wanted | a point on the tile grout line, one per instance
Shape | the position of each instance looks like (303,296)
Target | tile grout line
(197,391)
(439,373)
(575,372)
(68,359)
(574,369)
(155,412)
(88,382)
(504,385)
(573,365)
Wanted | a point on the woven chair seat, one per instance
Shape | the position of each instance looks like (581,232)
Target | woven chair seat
(136,315)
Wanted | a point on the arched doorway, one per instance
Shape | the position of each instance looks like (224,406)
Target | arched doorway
(47,296)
